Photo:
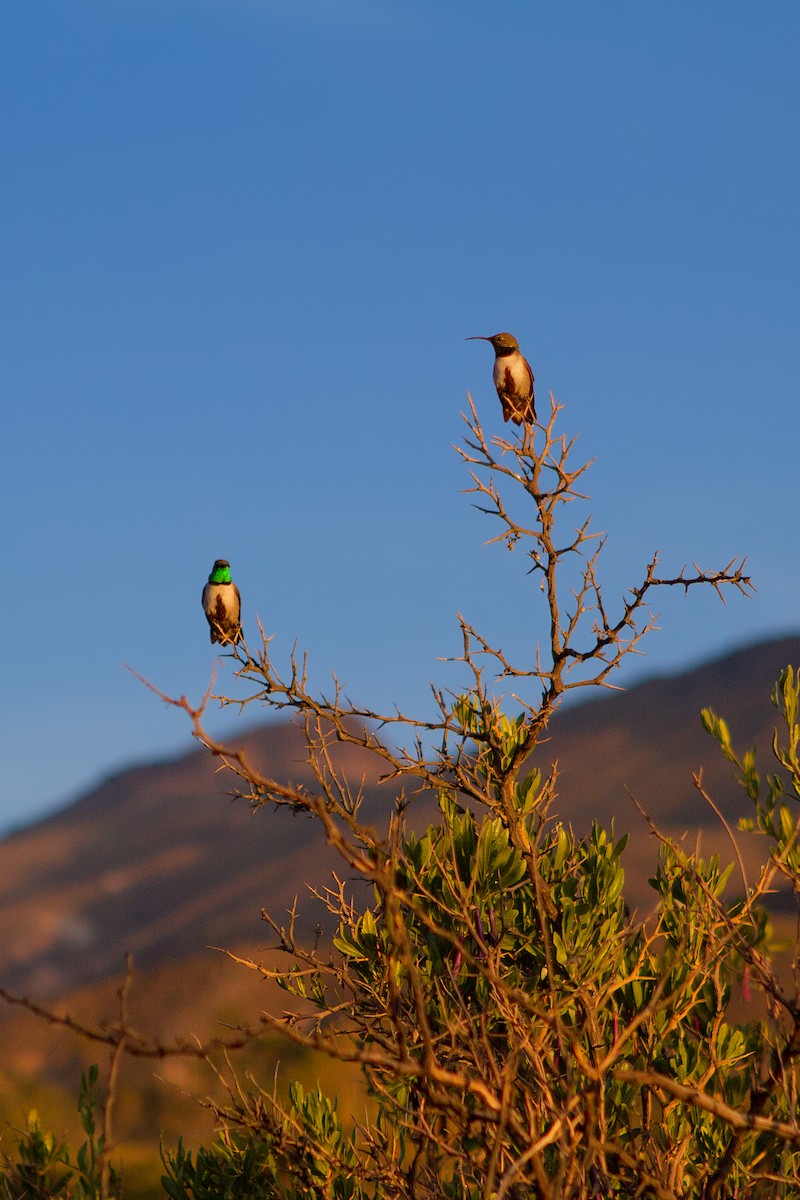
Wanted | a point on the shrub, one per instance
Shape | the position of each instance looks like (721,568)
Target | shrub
(519,1034)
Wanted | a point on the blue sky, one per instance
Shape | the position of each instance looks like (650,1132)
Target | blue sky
(242,243)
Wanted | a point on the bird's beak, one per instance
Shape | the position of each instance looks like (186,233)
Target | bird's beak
(477,338)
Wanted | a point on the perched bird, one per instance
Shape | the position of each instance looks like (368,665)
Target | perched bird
(513,378)
(222,605)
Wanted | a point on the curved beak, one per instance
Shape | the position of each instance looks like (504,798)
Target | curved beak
(477,338)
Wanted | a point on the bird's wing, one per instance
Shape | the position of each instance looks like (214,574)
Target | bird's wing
(533,404)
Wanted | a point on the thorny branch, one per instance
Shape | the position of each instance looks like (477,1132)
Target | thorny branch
(587,641)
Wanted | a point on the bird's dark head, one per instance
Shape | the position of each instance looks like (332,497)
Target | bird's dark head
(220,572)
(504,343)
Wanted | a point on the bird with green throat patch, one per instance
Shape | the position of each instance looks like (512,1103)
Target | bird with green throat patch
(222,605)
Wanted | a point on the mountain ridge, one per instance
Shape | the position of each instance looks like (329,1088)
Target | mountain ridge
(159,860)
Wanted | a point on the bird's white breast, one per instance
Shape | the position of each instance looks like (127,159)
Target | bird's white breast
(222,590)
(514,364)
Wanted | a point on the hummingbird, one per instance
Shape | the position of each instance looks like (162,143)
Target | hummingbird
(513,378)
(222,605)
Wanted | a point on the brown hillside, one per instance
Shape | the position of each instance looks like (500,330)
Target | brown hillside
(160,861)
(647,743)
